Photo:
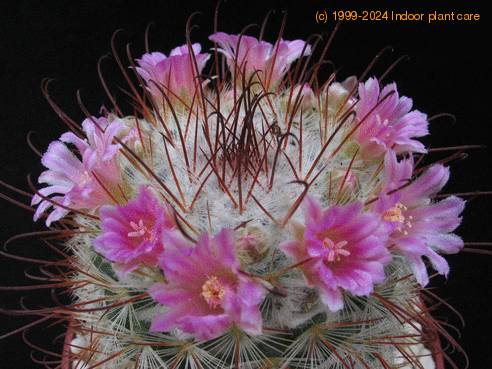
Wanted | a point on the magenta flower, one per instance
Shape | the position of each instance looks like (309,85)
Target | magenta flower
(205,291)
(250,54)
(341,248)
(132,233)
(84,183)
(391,125)
(176,75)
(419,227)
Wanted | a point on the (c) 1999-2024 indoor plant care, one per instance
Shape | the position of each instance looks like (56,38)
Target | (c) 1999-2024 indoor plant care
(248,215)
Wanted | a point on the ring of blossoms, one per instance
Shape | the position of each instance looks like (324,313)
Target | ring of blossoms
(249,215)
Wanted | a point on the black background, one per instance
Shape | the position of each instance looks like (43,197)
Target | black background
(448,71)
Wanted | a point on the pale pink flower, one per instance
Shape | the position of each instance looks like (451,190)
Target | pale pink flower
(419,226)
(250,54)
(341,248)
(390,124)
(132,233)
(80,183)
(174,75)
(206,293)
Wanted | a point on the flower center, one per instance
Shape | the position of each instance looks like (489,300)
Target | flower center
(335,250)
(140,230)
(213,292)
(395,214)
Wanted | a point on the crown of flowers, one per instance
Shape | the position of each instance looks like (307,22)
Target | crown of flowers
(252,217)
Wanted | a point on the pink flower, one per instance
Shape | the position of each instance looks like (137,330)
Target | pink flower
(340,249)
(80,183)
(252,54)
(419,226)
(132,234)
(391,125)
(205,291)
(174,75)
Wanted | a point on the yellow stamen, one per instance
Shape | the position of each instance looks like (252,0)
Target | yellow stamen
(213,292)
(395,214)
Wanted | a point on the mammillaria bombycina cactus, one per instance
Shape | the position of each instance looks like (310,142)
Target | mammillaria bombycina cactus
(248,215)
